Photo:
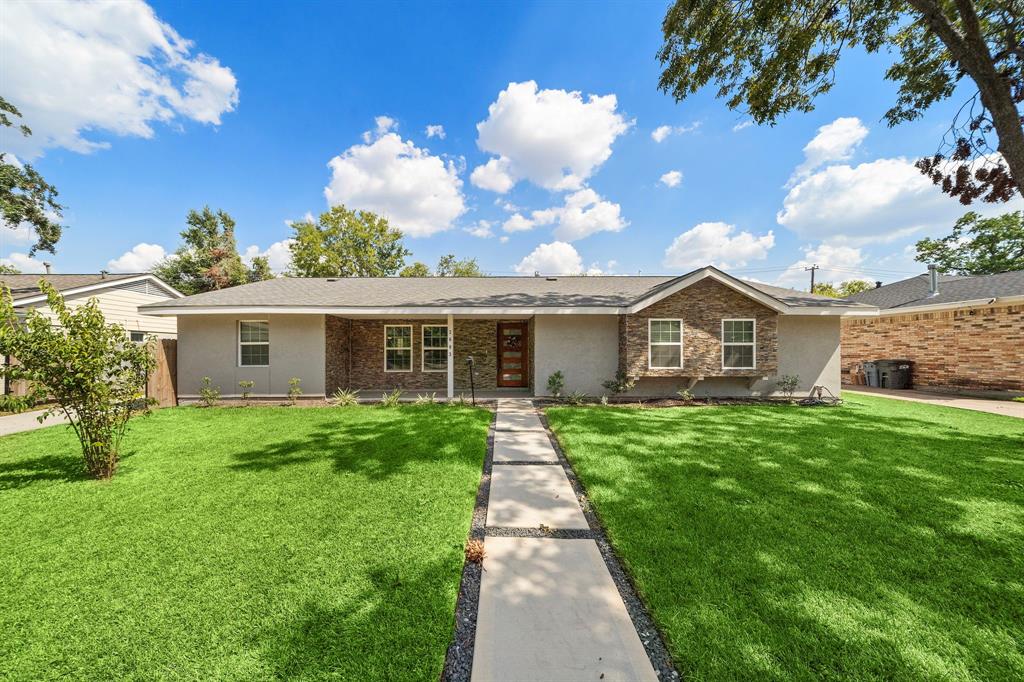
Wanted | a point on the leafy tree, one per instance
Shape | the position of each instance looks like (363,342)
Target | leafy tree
(770,57)
(91,369)
(344,243)
(25,197)
(978,246)
(259,269)
(9,270)
(844,290)
(417,269)
(208,260)
(447,266)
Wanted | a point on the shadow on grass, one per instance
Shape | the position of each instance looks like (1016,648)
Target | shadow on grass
(397,626)
(380,446)
(780,541)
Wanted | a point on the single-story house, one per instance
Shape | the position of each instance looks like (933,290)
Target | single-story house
(118,295)
(706,330)
(961,332)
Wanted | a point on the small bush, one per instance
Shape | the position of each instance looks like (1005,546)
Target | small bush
(391,399)
(556,383)
(576,398)
(426,398)
(788,384)
(209,395)
(622,383)
(685,395)
(475,551)
(294,389)
(245,387)
(604,400)
(459,401)
(346,398)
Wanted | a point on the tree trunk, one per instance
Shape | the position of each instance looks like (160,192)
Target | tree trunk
(971,52)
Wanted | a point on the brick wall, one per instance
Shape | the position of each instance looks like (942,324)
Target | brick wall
(355,355)
(980,348)
(701,307)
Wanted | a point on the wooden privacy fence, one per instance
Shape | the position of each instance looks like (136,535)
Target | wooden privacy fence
(162,384)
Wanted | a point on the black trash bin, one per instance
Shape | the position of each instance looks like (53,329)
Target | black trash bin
(895,373)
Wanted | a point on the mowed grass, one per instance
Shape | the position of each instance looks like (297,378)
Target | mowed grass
(240,544)
(878,540)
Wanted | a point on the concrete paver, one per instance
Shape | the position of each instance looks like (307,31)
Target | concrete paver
(517,420)
(523,446)
(530,495)
(1008,408)
(549,610)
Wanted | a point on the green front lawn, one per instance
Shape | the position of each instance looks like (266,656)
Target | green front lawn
(880,539)
(240,544)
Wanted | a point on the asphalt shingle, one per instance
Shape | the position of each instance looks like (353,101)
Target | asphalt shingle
(952,289)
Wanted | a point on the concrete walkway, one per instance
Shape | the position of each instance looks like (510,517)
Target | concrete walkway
(28,421)
(549,608)
(1007,408)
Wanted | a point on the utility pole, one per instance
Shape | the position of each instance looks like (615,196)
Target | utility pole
(812,269)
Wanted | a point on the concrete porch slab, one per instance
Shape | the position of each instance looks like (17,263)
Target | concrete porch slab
(549,610)
(528,496)
(524,446)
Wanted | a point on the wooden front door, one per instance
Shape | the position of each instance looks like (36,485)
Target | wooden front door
(513,351)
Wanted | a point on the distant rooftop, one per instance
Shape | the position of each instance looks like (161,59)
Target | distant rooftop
(913,292)
(24,286)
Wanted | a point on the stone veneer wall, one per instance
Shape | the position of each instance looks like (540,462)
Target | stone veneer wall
(973,348)
(355,355)
(701,307)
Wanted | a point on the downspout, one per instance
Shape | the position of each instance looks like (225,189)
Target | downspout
(348,369)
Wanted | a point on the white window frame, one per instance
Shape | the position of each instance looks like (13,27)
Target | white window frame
(650,355)
(752,344)
(238,332)
(424,348)
(386,349)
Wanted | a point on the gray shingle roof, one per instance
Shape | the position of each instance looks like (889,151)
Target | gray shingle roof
(913,292)
(409,292)
(24,286)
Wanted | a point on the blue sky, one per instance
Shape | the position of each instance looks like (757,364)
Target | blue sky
(136,126)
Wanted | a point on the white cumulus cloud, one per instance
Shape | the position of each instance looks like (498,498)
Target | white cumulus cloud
(419,193)
(556,258)
(834,142)
(716,244)
(660,133)
(493,175)
(436,131)
(517,222)
(25,264)
(742,125)
(836,263)
(671,179)
(553,138)
(75,69)
(141,258)
(482,229)
(877,201)
(278,255)
(582,214)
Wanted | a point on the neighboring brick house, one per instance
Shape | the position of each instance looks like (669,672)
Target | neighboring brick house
(706,331)
(961,332)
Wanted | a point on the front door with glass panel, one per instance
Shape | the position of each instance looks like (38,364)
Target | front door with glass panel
(512,354)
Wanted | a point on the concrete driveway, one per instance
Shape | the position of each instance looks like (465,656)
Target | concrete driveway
(28,421)
(1003,407)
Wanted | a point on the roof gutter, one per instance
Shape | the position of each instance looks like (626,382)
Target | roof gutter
(105,284)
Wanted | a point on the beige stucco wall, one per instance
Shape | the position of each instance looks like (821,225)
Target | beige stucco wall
(808,347)
(208,346)
(584,347)
(122,307)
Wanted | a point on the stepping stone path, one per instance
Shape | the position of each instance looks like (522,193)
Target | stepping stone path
(549,609)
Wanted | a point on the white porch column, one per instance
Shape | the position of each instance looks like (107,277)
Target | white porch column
(451,356)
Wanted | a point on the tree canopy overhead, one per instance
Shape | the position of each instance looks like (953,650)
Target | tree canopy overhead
(25,197)
(978,246)
(208,259)
(771,57)
(344,243)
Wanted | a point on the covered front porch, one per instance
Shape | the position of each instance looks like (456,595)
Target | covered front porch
(429,354)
